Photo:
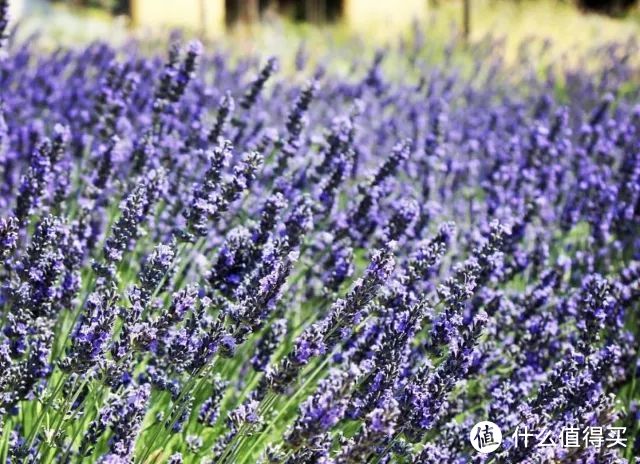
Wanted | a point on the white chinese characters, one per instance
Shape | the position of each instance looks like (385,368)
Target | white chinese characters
(485,437)
(571,436)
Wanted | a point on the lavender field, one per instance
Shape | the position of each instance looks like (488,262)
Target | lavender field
(212,258)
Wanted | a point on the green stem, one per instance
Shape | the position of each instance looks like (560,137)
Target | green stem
(285,408)
(77,389)
(183,392)
(45,410)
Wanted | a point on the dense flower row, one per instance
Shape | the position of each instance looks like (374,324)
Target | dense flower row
(206,261)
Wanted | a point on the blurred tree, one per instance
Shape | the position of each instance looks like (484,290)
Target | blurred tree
(246,11)
(249,11)
(466,19)
(113,6)
(315,10)
(611,7)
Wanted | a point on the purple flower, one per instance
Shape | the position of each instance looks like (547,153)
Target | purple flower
(134,209)
(4,23)
(210,409)
(322,410)
(33,183)
(157,267)
(8,236)
(123,414)
(250,97)
(225,109)
(91,335)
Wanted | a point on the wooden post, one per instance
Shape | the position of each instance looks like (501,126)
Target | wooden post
(203,17)
(249,11)
(315,11)
(466,20)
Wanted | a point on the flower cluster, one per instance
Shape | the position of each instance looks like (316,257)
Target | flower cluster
(204,260)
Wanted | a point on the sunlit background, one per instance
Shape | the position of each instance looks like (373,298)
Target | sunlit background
(270,23)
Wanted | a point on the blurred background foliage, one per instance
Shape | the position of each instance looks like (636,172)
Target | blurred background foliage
(330,26)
